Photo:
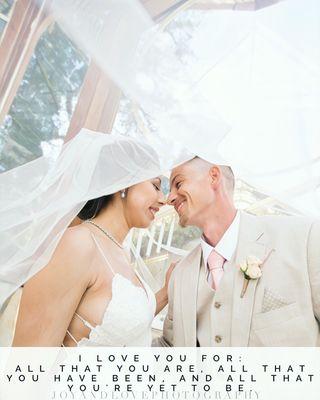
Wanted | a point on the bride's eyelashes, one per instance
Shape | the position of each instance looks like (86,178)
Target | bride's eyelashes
(157,185)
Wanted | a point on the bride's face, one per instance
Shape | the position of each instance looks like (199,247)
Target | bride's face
(142,202)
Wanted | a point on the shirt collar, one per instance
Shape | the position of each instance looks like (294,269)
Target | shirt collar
(227,244)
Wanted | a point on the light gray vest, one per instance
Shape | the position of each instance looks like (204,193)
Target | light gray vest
(214,308)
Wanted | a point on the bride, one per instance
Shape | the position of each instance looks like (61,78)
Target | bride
(88,294)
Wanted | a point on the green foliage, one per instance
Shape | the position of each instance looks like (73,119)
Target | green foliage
(5,6)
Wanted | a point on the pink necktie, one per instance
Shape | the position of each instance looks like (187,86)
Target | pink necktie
(215,264)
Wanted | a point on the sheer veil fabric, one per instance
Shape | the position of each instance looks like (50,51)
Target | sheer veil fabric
(250,89)
(259,135)
(41,198)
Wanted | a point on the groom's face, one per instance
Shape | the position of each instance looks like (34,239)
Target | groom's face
(190,193)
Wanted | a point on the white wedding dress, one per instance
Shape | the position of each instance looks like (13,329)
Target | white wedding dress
(128,317)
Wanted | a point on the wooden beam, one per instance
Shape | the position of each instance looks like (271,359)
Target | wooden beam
(157,8)
(236,5)
(97,104)
(26,25)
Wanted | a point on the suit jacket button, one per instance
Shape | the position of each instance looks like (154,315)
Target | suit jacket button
(217,304)
(218,339)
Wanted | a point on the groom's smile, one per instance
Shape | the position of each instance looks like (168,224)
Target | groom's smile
(179,197)
(179,206)
(181,209)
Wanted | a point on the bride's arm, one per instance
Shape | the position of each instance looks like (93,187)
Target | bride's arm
(162,294)
(50,298)
(162,299)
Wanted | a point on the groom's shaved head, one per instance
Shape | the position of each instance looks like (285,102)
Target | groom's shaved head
(204,166)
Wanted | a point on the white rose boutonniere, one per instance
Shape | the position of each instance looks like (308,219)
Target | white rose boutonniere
(251,269)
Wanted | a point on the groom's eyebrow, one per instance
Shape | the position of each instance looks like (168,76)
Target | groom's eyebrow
(175,177)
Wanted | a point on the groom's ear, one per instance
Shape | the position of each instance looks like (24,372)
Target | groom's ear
(215,176)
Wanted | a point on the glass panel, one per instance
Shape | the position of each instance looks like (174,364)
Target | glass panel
(2,26)
(5,6)
(40,114)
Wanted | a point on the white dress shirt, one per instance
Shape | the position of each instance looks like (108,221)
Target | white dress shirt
(225,247)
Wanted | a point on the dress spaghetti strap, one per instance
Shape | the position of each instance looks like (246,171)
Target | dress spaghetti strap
(85,322)
(72,337)
(102,253)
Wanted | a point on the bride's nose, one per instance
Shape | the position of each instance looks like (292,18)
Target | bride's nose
(162,199)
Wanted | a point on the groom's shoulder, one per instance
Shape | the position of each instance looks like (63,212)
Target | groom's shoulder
(289,223)
(188,258)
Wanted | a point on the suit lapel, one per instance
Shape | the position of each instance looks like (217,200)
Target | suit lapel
(189,290)
(252,241)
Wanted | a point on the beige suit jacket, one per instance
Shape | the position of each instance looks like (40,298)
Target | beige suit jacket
(282,308)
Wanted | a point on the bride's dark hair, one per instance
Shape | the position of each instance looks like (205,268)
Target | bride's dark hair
(93,207)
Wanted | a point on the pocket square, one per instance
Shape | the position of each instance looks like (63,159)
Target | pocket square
(272,301)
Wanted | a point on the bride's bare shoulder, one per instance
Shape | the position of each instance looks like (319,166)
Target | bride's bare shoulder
(76,246)
(71,262)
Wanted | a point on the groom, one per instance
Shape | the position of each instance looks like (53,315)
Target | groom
(206,308)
